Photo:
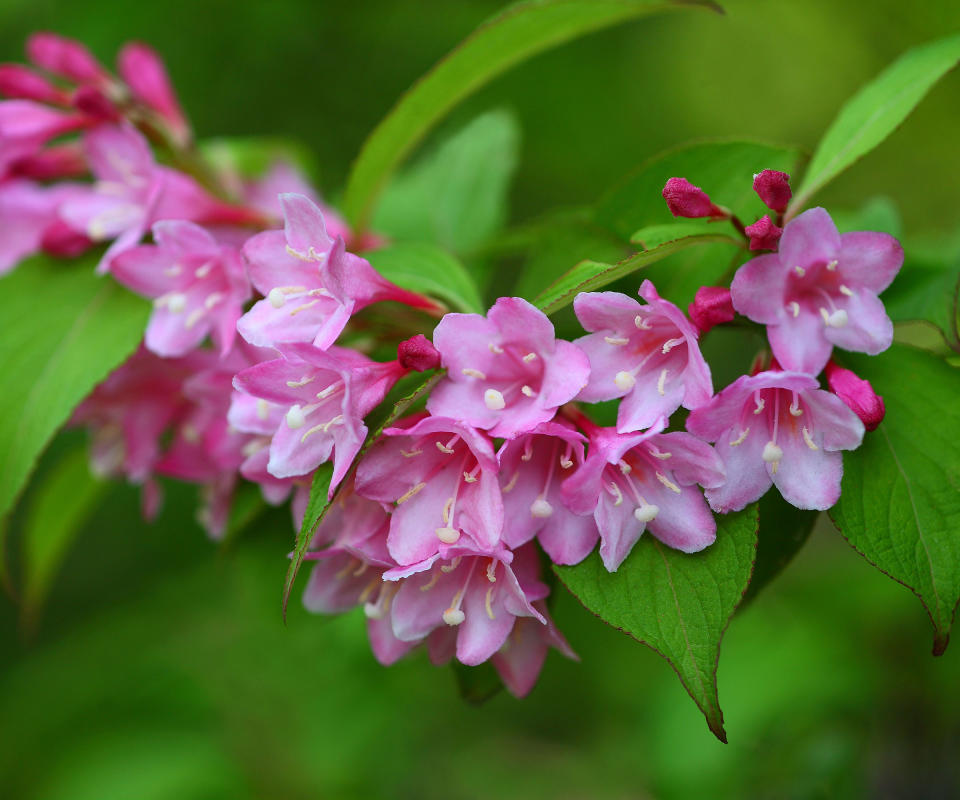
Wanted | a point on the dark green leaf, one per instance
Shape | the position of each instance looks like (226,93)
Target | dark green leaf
(875,112)
(927,290)
(477,684)
(64,330)
(676,603)
(317,506)
(900,500)
(425,268)
(455,197)
(514,34)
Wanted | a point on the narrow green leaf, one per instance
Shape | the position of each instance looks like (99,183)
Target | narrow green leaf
(425,268)
(588,276)
(514,34)
(652,236)
(783,531)
(456,196)
(900,501)
(54,352)
(477,684)
(57,510)
(317,506)
(677,604)
(875,112)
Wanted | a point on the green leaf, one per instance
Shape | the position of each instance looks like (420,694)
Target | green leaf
(251,156)
(678,604)
(783,531)
(652,236)
(514,34)
(875,112)
(456,196)
(425,268)
(900,500)
(317,506)
(588,276)
(55,515)
(928,290)
(477,684)
(64,330)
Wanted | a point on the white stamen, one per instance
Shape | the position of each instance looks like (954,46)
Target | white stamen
(203,271)
(493,400)
(809,439)
(492,570)
(540,508)
(263,409)
(616,340)
(304,307)
(175,301)
(488,603)
(302,382)
(495,348)
(668,483)
(372,611)
(837,319)
(528,391)
(443,448)
(760,405)
(794,307)
(447,508)
(319,292)
(641,322)
(412,491)
(795,409)
(448,535)
(845,290)
(468,478)
(615,491)
(832,265)
(741,438)
(660,383)
(624,381)
(512,483)
(276,297)
(800,271)
(453,616)
(772,452)
(646,513)
(670,344)
(212,299)
(474,373)
(296,417)
(410,453)
(529,357)
(565,463)
(663,455)
(194,317)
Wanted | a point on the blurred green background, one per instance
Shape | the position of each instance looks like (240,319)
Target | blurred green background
(161,668)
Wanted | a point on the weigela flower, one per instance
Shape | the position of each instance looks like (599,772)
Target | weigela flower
(325,396)
(819,290)
(143,71)
(506,372)
(631,482)
(773,188)
(710,307)
(532,468)
(686,200)
(763,234)
(777,428)
(857,393)
(22,83)
(198,287)
(646,354)
(520,658)
(25,126)
(481,595)
(311,285)
(28,212)
(442,475)
(65,57)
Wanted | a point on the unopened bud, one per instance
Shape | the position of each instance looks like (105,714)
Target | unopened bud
(23,83)
(60,161)
(686,200)
(711,306)
(857,393)
(764,235)
(65,57)
(92,101)
(143,71)
(60,240)
(418,353)
(773,188)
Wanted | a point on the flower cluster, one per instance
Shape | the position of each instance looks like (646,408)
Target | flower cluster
(250,369)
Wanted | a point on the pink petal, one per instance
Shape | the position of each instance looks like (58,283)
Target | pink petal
(684,521)
(567,537)
(807,478)
(303,224)
(799,343)
(758,288)
(606,311)
(747,477)
(644,405)
(808,238)
(520,321)
(868,329)
(870,260)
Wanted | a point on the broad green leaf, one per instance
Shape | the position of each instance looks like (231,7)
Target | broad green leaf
(64,330)
(514,34)
(588,276)
(652,236)
(456,196)
(927,289)
(874,113)
(676,603)
(56,512)
(317,505)
(783,531)
(477,684)
(900,501)
(877,214)
(425,268)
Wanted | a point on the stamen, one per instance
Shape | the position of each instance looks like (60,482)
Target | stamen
(297,254)
(176,302)
(616,340)
(444,448)
(492,570)
(448,535)
(323,426)
(668,483)
(342,573)
(832,265)
(527,449)
(319,292)
(541,509)
(360,570)
(202,271)
(661,381)
(302,382)
(487,602)
(761,403)
(432,582)
(263,409)
(493,400)
(333,387)
(658,453)
(565,461)
(448,568)
(615,491)
(624,381)
(741,438)
(512,484)
(474,373)
(304,307)
(642,322)
(795,409)
(670,344)
(528,391)
(529,357)
(800,271)
(410,453)
(647,512)
(446,510)
(368,589)
(194,317)
(468,478)
(295,417)
(410,493)
(845,290)
(809,439)
(495,348)
(794,307)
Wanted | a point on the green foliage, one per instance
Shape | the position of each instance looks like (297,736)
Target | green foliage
(653,236)
(64,330)
(456,196)
(875,112)
(900,505)
(251,157)
(518,32)
(928,289)
(783,531)
(317,506)
(426,268)
(676,603)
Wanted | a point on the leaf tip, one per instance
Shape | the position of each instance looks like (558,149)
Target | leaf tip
(715,723)
(940,641)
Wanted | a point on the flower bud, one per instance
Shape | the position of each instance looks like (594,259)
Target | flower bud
(65,57)
(60,161)
(763,234)
(143,71)
(686,200)
(418,353)
(92,101)
(711,306)
(773,188)
(857,393)
(60,240)
(22,83)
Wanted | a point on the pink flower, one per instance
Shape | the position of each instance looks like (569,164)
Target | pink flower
(646,354)
(520,658)
(143,71)
(686,200)
(22,83)
(311,285)
(773,188)
(53,163)
(25,126)
(857,394)
(506,372)
(631,482)
(442,475)
(532,468)
(481,595)
(325,395)
(820,290)
(710,307)
(198,287)
(27,212)
(763,234)
(777,428)
(65,57)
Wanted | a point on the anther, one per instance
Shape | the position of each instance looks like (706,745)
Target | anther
(453,616)
(794,307)
(302,382)
(528,391)
(410,453)
(800,271)
(263,409)
(296,417)
(529,357)
(741,438)
(541,509)
(512,483)
(615,491)
(474,373)
(624,381)
(488,603)
(493,400)
(448,535)
(468,478)
(845,290)
(670,344)
(661,381)
(642,322)
(772,453)
(495,348)
(202,271)
(616,340)
(410,493)
(625,468)
(832,265)
(668,483)
(304,307)
(809,439)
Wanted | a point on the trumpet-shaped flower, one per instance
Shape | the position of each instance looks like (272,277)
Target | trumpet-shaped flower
(819,290)
(777,428)
(646,354)
(506,372)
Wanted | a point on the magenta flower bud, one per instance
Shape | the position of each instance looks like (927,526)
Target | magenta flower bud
(773,188)
(711,306)
(418,353)
(763,234)
(65,57)
(857,393)
(686,200)
(143,71)
(22,83)
(61,161)
(60,240)
(92,101)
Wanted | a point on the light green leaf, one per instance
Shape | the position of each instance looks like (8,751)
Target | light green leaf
(927,290)
(652,236)
(456,196)
(900,501)
(676,603)
(514,34)
(425,268)
(64,330)
(875,112)
(56,512)
(317,506)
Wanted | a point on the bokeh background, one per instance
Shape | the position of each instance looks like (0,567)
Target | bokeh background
(161,668)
